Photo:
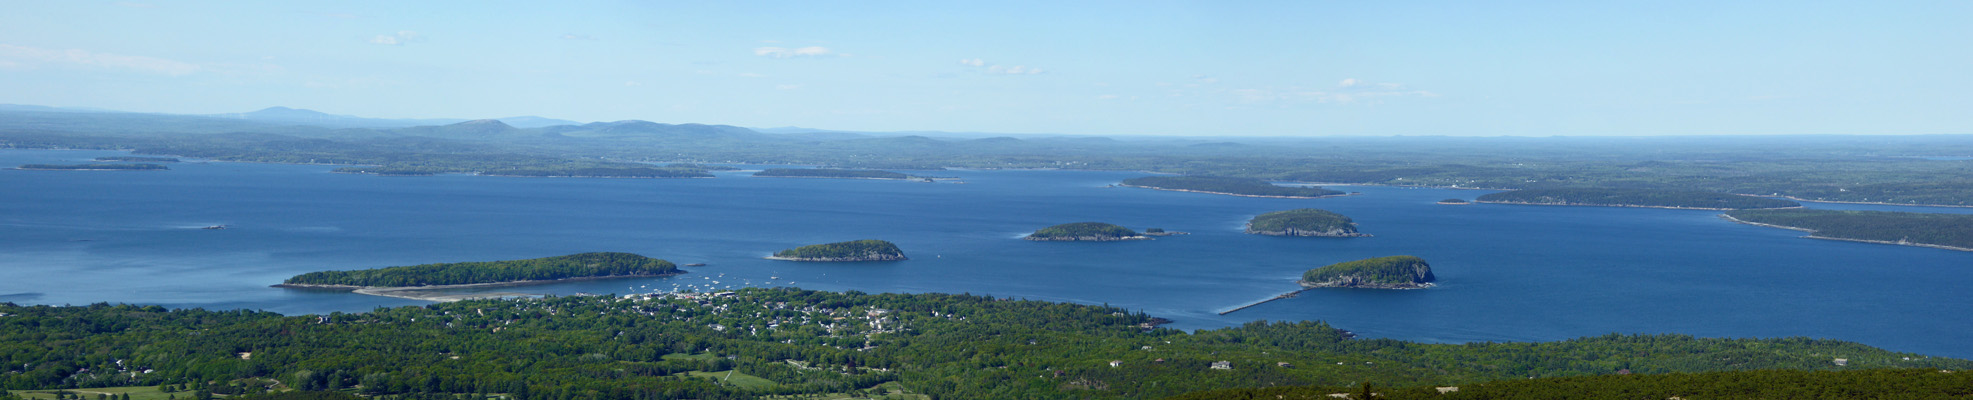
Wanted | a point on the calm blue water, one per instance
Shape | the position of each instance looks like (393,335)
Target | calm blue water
(1506,272)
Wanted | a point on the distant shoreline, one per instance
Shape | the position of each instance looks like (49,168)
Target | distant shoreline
(1812,235)
(1625,205)
(1237,194)
(417,292)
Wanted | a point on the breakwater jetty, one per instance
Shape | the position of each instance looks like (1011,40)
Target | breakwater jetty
(1276,297)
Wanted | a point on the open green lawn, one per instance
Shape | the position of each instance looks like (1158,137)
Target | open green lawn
(135,392)
(735,378)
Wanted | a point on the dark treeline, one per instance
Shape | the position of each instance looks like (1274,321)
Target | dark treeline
(1761,384)
(583,265)
(830,173)
(1635,197)
(138,159)
(1226,185)
(806,342)
(1954,230)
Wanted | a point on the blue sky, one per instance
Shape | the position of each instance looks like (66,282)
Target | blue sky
(1210,68)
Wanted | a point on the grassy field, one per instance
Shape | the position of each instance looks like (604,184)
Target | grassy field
(735,378)
(135,392)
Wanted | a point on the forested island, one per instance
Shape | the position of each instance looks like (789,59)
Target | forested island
(1652,198)
(1086,232)
(855,250)
(1946,231)
(93,167)
(1455,202)
(1303,222)
(830,173)
(1393,272)
(1248,187)
(138,159)
(384,281)
(781,342)
(545,171)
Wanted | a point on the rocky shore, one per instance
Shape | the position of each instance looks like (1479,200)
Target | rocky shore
(430,292)
(1336,232)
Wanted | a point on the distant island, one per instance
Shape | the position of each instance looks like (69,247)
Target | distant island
(1248,187)
(830,173)
(538,172)
(1085,232)
(1163,232)
(93,167)
(1303,222)
(1460,202)
(1945,231)
(1393,272)
(138,159)
(408,281)
(1679,199)
(855,250)
(702,167)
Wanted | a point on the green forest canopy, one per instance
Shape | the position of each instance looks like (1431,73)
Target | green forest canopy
(585,265)
(1225,185)
(1636,197)
(947,346)
(1954,230)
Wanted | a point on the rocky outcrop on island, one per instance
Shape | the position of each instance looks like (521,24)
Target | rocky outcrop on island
(1393,272)
(1085,232)
(1303,222)
(855,250)
(1456,202)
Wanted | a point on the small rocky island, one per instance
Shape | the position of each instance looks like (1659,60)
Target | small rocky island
(855,250)
(94,167)
(1394,272)
(1303,222)
(1455,202)
(1085,232)
(1163,232)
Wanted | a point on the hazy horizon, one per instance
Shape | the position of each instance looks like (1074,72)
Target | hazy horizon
(1170,69)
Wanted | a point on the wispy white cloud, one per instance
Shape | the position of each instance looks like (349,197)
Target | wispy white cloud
(783,52)
(27,57)
(397,39)
(997,69)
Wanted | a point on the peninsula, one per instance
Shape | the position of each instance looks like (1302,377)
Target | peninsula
(1303,222)
(414,282)
(830,173)
(1247,187)
(1677,199)
(1393,272)
(94,167)
(1944,231)
(1085,232)
(855,250)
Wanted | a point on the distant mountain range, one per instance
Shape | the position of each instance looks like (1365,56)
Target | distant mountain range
(299,116)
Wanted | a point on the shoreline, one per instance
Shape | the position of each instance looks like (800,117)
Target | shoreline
(779,258)
(1237,194)
(1519,203)
(414,292)
(1812,235)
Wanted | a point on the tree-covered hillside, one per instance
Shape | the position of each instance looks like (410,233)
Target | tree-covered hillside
(585,265)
